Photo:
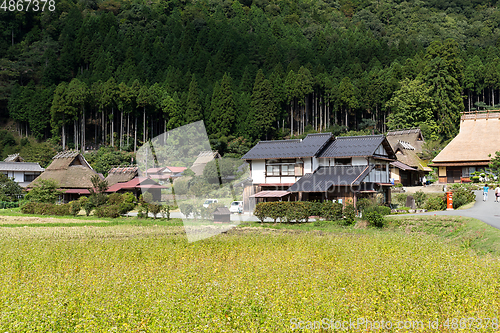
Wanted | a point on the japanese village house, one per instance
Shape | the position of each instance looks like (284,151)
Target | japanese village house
(409,168)
(470,150)
(72,172)
(320,167)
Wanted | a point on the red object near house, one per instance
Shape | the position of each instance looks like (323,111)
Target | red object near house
(449,200)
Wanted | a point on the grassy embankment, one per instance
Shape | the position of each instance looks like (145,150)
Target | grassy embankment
(130,275)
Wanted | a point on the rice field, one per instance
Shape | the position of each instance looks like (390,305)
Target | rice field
(149,279)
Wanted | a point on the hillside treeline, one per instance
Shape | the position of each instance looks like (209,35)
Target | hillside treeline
(117,73)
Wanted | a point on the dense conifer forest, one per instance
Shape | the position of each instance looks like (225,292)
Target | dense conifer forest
(118,73)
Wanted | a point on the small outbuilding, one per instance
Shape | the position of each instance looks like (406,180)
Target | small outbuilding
(222,215)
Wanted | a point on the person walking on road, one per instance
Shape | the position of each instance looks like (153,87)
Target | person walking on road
(497,193)
(485,192)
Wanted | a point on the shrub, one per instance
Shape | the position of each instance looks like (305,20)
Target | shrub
(331,211)
(111,211)
(260,211)
(349,214)
(43,208)
(315,208)
(375,219)
(435,202)
(398,185)
(126,207)
(115,199)
(165,211)
(364,203)
(419,197)
(75,207)
(186,209)
(400,199)
(462,196)
(154,208)
(8,204)
(383,210)
(298,212)
(45,190)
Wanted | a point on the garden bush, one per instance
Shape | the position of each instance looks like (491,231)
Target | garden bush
(419,197)
(461,196)
(75,207)
(42,208)
(400,199)
(331,211)
(111,211)
(349,214)
(154,208)
(8,204)
(435,202)
(375,219)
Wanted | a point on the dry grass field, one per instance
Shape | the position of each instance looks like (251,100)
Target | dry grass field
(132,278)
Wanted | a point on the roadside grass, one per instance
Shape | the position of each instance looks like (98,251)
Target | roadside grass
(128,278)
(465,232)
(14,218)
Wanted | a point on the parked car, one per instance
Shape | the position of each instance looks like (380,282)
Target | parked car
(236,207)
(208,202)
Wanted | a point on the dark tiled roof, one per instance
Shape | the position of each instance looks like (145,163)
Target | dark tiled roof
(20,166)
(309,146)
(350,146)
(325,177)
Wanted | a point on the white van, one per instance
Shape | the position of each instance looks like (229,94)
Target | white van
(208,202)
(236,207)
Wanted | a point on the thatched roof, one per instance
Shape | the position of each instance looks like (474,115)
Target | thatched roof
(14,158)
(69,169)
(203,158)
(121,175)
(412,136)
(477,139)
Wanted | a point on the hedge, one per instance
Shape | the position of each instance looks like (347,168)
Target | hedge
(297,211)
(8,204)
(41,208)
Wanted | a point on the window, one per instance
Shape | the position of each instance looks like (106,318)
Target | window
(280,168)
(343,161)
(273,170)
(380,167)
(29,177)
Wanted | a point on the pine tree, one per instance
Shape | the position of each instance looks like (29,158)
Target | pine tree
(193,110)
(222,120)
(262,108)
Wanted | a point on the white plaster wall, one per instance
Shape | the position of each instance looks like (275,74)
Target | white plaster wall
(258,171)
(269,180)
(323,161)
(286,180)
(359,161)
(381,150)
(18,176)
(315,163)
(307,165)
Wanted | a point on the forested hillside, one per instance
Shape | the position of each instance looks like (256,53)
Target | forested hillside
(119,72)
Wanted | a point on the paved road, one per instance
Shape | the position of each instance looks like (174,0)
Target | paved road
(488,212)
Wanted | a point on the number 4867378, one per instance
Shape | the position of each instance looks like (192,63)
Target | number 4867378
(26,5)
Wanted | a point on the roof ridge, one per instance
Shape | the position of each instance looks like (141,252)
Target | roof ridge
(360,136)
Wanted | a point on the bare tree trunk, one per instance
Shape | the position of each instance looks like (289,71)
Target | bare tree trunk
(83,129)
(63,137)
(121,129)
(75,138)
(112,132)
(105,127)
(144,125)
(135,135)
(128,128)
